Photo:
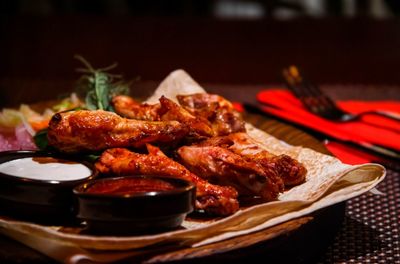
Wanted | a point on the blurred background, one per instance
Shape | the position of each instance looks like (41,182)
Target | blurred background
(217,42)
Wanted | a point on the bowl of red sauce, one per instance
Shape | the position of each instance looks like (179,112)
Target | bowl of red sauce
(132,205)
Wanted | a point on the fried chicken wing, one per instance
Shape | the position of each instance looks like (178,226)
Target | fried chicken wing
(216,109)
(199,126)
(221,166)
(127,107)
(98,130)
(204,101)
(166,110)
(290,170)
(213,199)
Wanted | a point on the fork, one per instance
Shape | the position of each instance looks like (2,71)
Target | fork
(319,103)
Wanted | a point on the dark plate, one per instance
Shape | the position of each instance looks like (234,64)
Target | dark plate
(42,201)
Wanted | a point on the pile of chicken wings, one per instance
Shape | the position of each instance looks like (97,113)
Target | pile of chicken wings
(202,139)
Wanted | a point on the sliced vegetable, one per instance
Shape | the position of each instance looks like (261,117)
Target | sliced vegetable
(10,118)
(68,103)
(19,139)
(24,138)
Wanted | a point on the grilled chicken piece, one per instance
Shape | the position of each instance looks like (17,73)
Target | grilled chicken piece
(98,130)
(213,199)
(290,170)
(166,110)
(127,107)
(199,126)
(216,109)
(221,166)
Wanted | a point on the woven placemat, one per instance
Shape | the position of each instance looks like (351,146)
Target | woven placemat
(371,228)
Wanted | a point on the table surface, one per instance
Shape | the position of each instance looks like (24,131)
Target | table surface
(370,229)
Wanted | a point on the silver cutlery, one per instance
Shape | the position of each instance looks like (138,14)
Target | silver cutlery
(318,103)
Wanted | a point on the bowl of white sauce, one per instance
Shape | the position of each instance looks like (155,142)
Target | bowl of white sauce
(37,186)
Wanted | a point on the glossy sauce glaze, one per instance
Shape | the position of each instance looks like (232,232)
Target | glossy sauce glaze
(129,186)
(45,169)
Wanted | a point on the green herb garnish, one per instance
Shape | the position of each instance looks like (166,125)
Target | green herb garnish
(40,139)
(98,86)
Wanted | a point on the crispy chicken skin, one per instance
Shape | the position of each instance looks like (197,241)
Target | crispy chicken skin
(203,101)
(216,109)
(221,166)
(213,199)
(85,130)
(206,114)
(290,170)
(199,126)
(166,110)
(127,107)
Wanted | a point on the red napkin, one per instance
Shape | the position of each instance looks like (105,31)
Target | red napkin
(348,154)
(371,129)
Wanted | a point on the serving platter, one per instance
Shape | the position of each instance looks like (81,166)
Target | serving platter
(286,242)
(280,229)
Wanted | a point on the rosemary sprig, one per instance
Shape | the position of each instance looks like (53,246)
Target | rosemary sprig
(98,87)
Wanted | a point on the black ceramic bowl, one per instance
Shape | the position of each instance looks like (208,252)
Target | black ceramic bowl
(46,198)
(134,204)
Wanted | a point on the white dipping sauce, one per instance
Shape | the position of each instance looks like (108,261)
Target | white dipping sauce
(45,168)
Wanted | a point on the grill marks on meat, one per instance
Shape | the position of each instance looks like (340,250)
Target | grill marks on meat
(98,130)
(213,199)
(216,109)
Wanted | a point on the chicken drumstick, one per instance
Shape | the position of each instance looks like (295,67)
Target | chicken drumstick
(213,199)
(85,130)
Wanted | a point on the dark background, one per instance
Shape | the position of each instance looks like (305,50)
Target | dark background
(218,42)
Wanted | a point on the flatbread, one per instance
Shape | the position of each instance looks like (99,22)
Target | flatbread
(328,182)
